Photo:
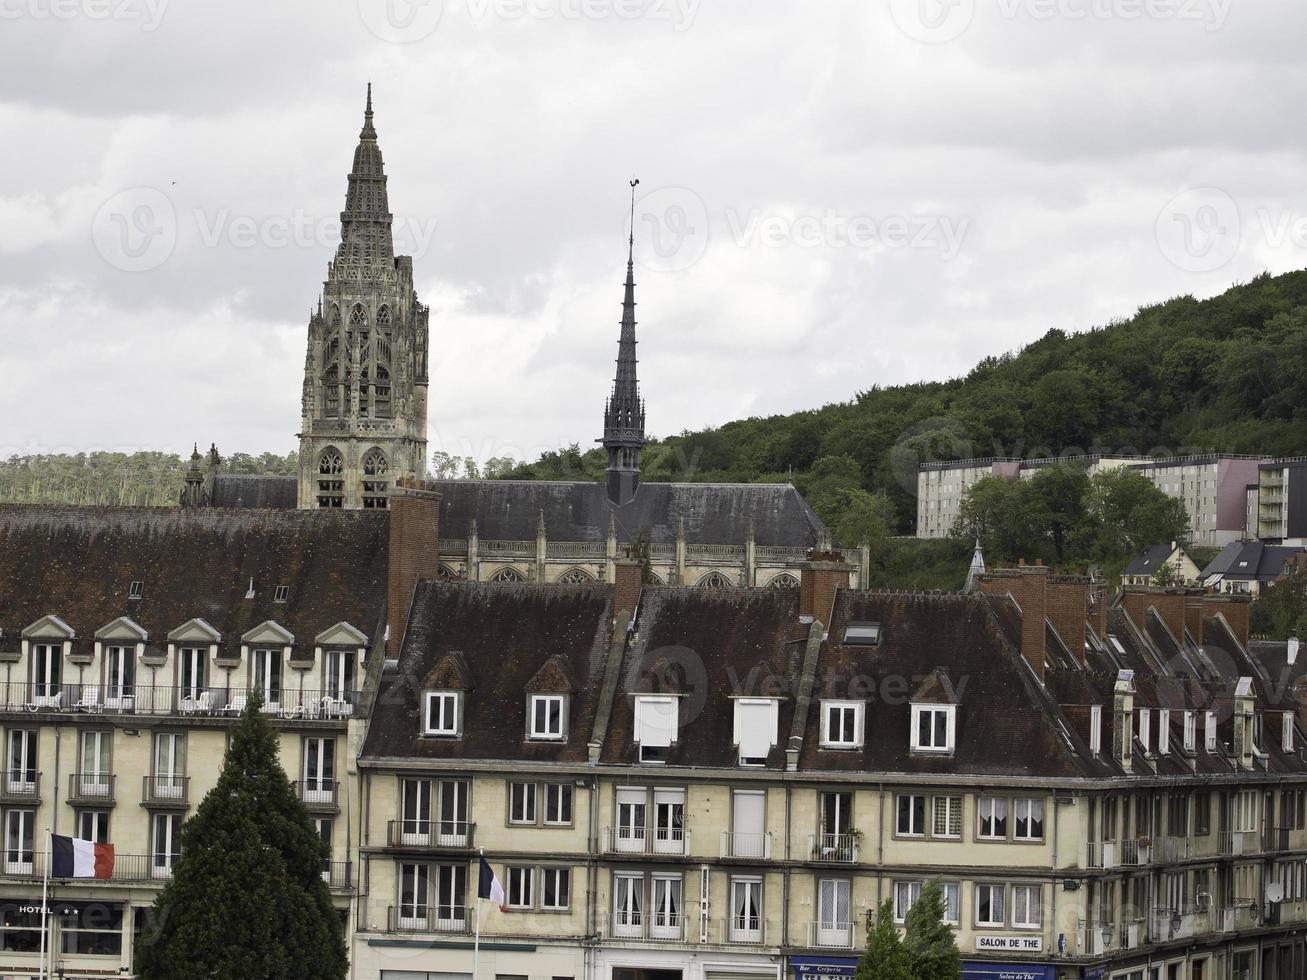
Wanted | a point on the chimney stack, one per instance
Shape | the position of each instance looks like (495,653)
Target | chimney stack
(414,552)
(1028,586)
(628,576)
(1123,719)
(818,581)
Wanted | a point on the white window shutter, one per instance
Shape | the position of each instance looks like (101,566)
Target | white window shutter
(755,727)
(655,721)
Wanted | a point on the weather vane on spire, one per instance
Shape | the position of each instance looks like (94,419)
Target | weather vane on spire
(635,182)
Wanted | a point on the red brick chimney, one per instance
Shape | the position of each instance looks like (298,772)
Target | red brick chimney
(1028,585)
(1193,617)
(818,582)
(1235,610)
(1170,608)
(1068,611)
(414,551)
(628,575)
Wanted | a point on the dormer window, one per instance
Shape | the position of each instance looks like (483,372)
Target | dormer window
(1286,731)
(933,727)
(547,713)
(1190,731)
(1163,731)
(442,714)
(134,590)
(841,724)
(1209,735)
(861,634)
(655,726)
(1096,728)
(1145,720)
(755,729)
(281,594)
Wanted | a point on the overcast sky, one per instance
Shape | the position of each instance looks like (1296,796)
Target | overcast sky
(833,195)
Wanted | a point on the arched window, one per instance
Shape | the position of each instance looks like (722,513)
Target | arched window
(508,574)
(784,581)
(575,576)
(383,316)
(715,580)
(357,317)
(331,390)
(376,483)
(331,478)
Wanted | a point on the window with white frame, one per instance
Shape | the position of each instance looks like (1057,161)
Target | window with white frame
(755,729)
(546,712)
(1190,731)
(911,820)
(555,888)
(1209,730)
(1028,819)
(558,804)
(1163,731)
(522,803)
(1096,728)
(656,722)
(947,817)
(841,724)
(991,812)
(906,894)
(989,905)
(1027,906)
(933,727)
(1286,731)
(519,888)
(441,713)
(951,893)
(1145,723)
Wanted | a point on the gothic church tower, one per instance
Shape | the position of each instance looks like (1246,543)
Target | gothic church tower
(624,410)
(365,372)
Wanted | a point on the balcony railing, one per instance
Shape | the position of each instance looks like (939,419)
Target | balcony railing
(1109,854)
(1243,915)
(1104,937)
(1168,850)
(830,935)
(16,863)
(337,874)
(317,792)
(659,926)
(638,840)
(1275,839)
(430,833)
(1180,923)
(746,845)
(90,787)
(163,789)
(833,848)
(1232,843)
(743,930)
(140,699)
(20,786)
(430,918)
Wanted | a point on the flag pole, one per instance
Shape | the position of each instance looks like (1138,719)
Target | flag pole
(476,943)
(45,901)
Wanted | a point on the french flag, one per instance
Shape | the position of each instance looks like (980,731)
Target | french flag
(71,857)
(489,886)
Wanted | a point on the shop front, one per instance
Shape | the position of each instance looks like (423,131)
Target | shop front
(817,967)
(1007,971)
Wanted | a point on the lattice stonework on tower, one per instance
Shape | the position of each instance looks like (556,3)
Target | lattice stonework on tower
(365,369)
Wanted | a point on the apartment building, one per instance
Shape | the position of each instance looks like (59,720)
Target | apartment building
(1278,502)
(1214,489)
(129,642)
(701,784)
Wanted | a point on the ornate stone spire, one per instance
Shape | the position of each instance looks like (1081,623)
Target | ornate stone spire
(366,249)
(624,410)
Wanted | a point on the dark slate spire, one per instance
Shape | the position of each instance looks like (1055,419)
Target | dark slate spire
(366,250)
(624,411)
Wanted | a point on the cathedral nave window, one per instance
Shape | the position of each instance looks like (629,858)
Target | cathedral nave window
(375,483)
(331,479)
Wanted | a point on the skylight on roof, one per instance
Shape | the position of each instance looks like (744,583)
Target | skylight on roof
(282,593)
(135,590)
(862,634)
(1116,644)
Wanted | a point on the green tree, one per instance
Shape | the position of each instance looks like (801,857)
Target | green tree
(247,897)
(1131,513)
(1007,515)
(885,958)
(1165,576)
(1060,491)
(929,942)
(864,518)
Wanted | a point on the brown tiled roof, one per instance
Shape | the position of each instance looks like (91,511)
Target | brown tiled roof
(79,563)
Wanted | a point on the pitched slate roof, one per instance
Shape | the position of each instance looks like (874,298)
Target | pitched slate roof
(713,513)
(1148,561)
(1249,560)
(262,492)
(78,563)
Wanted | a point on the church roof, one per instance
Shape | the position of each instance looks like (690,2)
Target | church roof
(255,491)
(713,513)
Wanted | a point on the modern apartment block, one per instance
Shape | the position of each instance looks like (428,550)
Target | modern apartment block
(1214,489)
(1278,502)
(686,784)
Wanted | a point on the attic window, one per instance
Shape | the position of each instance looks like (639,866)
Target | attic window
(282,593)
(441,713)
(655,726)
(755,729)
(134,590)
(547,713)
(862,634)
(1116,644)
(934,727)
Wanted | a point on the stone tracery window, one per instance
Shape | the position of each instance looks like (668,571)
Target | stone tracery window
(715,580)
(376,482)
(331,478)
(357,317)
(576,576)
(784,581)
(508,574)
